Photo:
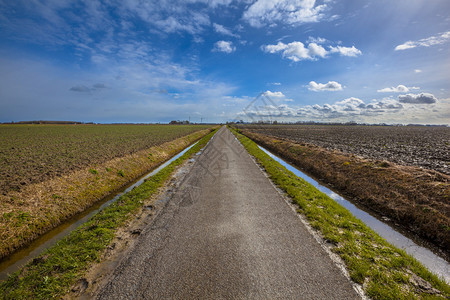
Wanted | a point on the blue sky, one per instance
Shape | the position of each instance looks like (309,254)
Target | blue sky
(154,61)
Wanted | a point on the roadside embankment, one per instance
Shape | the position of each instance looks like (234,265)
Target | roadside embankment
(52,273)
(37,208)
(416,198)
(384,271)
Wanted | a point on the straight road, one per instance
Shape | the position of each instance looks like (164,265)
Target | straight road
(227,233)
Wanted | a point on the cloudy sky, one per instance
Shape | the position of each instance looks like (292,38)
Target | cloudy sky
(154,61)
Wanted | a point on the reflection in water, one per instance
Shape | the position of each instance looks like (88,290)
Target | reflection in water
(18,259)
(433,262)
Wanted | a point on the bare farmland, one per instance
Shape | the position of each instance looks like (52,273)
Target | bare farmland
(52,172)
(426,147)
(36,153)
(415,197)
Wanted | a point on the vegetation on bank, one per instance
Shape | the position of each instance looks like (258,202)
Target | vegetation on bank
(416,198)
(384,271)
(31,154)
(52,273)
(37,208)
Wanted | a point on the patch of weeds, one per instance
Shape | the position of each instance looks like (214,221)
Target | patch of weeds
(7,216)
(347,163)
(108,170)
(384,164)
(52,273)
(93,171)
(368,257)
(295,150)
(56,196)
(121,173)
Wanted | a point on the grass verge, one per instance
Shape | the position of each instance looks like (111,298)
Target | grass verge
(52,273)
(384,271)
(37,208)
(417,199)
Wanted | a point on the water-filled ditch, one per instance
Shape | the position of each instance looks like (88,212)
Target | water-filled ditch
(433,262)
(19,258)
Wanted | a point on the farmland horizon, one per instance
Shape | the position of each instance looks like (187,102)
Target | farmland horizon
(185,122)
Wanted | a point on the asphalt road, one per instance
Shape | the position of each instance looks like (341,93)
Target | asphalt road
(227,233)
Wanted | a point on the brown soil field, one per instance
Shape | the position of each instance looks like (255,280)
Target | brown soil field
(418,199)
(36,153)
(38,207)
(427,147)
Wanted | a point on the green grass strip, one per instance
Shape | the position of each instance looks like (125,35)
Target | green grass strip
(52,273)
(384,271)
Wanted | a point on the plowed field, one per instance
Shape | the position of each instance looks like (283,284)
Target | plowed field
(36,153)
(427,147)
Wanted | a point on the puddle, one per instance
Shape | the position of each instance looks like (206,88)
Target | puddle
(433,262)
(19,258)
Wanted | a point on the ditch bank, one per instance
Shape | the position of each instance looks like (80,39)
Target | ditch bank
(64,265)
(382,270)
(417,199)
(40,207)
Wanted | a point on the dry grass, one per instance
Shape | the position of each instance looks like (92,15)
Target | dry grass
(416,198)
(40,207)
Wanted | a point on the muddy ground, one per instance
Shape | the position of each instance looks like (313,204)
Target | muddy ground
(421,146)
(32,154)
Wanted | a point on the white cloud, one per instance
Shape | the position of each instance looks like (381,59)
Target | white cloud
(317,40)
(297,51)
(222,30)
(276,96)
(224,46)
(330,86)
(427,42)
(346,51)
(422,98)
(399,89)
(341,111)
(387,110)
(292,12)
(316,50)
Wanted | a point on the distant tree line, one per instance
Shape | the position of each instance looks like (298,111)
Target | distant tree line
(47,122)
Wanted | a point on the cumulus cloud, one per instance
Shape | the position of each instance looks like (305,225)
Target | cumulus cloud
(224,46)
(427,42)
(345,110)
(297,51)
(417,71)
(276,96)
(346,51)
(399,89)
(330,86)
(222,30)
(292,12)
(422,98)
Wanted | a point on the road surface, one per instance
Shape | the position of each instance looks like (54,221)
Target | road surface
(227,233)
